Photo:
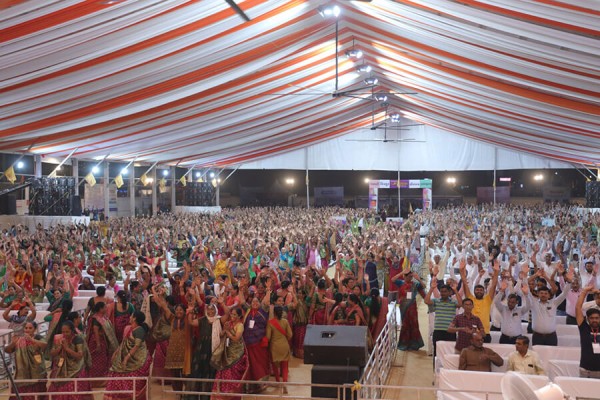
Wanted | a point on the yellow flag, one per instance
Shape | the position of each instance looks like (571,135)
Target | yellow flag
(89,178)
(200,180)
(183,180)
(214,182)
(162,183)
(119,181)
(410,209)
(144,179)
(10,174)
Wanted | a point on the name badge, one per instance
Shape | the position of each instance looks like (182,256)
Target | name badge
(596,348)
(251,324)
(409,296)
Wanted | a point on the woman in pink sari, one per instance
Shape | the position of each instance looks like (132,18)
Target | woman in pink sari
(101,341)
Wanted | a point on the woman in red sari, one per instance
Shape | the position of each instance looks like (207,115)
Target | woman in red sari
(101,341)
(119,313)
(408,288)
(255,327)
(318,305)
(130,360)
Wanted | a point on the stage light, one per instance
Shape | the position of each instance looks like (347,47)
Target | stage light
(95,170)
(451,180)
(395,117)
(165,172)
(124,171)
(364,68)
(367,180)
(329,11)
(354,53)
(150,180)
(289,181)
(371,81)
(211,175)
(538,177)
(380,97)
(198,174)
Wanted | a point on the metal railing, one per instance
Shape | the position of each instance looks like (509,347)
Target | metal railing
(297,390)
(381,358)
(78,382)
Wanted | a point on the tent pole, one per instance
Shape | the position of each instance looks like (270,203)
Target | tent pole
(306,179)
(495,162)
(399,199)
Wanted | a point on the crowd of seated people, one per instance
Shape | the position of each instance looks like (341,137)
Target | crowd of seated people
(229,296)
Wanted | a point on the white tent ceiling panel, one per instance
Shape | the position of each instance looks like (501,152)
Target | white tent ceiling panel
(190,82)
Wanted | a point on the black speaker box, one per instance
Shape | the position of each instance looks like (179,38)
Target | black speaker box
(76,206)
(592,194)
(336,345)
(8,204)
(332,375)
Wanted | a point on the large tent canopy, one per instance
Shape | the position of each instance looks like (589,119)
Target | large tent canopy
(192,83)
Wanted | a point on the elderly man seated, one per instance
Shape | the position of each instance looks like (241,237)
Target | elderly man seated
(478,358)
(523,360)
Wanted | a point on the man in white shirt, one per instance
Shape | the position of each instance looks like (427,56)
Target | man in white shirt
(543,314)
(523,360)
(512,314)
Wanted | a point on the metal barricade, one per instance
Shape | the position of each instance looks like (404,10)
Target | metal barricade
(54,394)
(381,358)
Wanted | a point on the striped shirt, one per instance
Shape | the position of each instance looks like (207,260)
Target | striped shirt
(445,311)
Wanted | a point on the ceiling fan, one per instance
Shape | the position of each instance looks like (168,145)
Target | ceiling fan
(384,125)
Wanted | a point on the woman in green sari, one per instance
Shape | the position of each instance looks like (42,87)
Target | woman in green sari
(130,360)
(101,341)
(29,360)
(70,359)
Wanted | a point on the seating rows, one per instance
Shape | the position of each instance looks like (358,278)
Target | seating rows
(447,357)
(471,385)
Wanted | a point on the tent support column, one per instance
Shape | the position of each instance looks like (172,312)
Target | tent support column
(105,189)
(132,191)
(306,179)
(495,164)
(173,187)
(75,173)
(154,196)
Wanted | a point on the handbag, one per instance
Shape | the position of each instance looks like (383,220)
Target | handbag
(162,330)
(218,360)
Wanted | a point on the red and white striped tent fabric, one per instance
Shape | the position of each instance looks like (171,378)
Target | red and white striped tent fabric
(191,82)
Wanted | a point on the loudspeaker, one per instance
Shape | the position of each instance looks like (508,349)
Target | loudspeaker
(8,204)
(332,375)
(336,345)
(592,194)
(76,206)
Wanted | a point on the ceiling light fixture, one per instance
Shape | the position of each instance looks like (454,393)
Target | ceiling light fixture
(354,53)
(364,68)
(329,11)
(395,117)
(371,81)
(380,97)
